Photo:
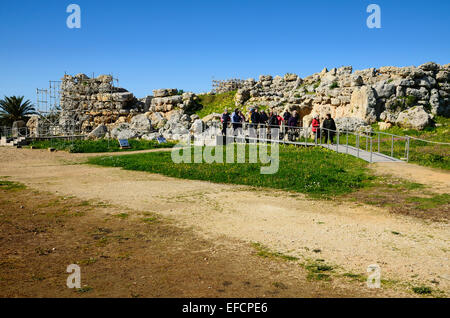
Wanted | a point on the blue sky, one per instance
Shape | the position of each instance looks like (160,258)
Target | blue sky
(184,44)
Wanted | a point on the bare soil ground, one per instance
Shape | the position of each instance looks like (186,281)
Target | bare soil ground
(208,244)
(436,179)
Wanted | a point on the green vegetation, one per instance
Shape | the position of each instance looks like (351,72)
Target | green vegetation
(10,185)
(314,171)
(100,145)
(150,219)
(432,202)
(85,289)
(422,290)
(263,251)
(420,152)
(14,108)
(356,277)
(122,215)
(334,85)
(318,270)
(216,103)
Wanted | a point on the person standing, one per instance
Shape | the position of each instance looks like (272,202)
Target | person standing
(330,128)
(225,121)
(292,124)
(254,117)
(263,118)
(235,120)
(286,117)
(316,127)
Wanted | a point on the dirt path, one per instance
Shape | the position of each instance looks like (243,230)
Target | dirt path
(436,179)
(348,236)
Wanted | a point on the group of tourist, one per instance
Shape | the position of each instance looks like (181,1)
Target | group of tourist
(289,122)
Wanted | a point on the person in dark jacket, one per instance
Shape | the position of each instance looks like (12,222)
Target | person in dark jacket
(263,117)
(293,120)
(286,116)
(292,123)
(236,120)
(330,128)
(254,118)
(225,120)
(273,120)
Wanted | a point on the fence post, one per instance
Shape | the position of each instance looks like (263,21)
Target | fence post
(357,144)
(328,139)
(371,141)
(407,149)
(392,145)
(378,142)
(337,142)
(347,141)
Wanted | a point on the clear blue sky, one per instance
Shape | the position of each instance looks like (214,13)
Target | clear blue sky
(183,44)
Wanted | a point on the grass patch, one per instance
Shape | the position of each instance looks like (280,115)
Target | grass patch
(422,290)
(99,145)
(89,261)
(263,251)
(85,289)
(318,270)
(314,171)
(149,219)
(11,186)
(121,215)
(404,197)
(432,202)
(355,277)
(422,153)
(216,103)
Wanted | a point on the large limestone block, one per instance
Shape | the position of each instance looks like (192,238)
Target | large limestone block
(363,103)
(165,92)
(415,118)
(141,123)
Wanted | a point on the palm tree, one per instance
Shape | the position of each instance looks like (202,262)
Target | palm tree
(13,108)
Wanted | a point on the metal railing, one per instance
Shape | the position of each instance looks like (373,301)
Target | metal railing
(365,144)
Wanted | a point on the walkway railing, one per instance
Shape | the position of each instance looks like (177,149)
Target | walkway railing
(369,145)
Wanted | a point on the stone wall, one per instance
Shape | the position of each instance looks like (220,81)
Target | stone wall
(370,95)
(88,102)
(406,96)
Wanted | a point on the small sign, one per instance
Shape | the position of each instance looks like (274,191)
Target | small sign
(124,144)
(161,140)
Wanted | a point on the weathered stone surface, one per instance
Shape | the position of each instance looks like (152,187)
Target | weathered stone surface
(384,89)
(415,118)
(123,131)
(165,92)
(19,128)
(141,123)
(350,123)
(242,95)
(363,103)
(212,117)
(197,127)
(384,126)
(98,132)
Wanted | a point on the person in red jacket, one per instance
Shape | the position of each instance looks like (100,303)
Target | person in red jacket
(316,127)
